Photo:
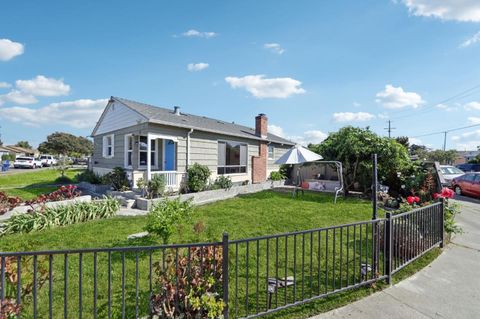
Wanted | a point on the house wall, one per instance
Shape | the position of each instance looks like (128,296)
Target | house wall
(116,117)
(279,151)
(203,150)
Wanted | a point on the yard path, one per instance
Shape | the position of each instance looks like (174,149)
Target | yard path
(448,288)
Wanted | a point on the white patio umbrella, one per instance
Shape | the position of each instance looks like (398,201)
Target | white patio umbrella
(298,155)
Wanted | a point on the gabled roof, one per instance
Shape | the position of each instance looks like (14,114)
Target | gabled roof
(165,116)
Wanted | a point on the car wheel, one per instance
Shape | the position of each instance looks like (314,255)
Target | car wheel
(458,190)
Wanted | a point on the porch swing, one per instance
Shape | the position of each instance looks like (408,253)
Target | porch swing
(321,176)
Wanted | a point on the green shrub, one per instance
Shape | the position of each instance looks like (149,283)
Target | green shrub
(117,179)
(223,182)
(63,180)
(89,177)
(197,177)
(8,157)
(165,217)
(152,188)
(45,217)
(276,176)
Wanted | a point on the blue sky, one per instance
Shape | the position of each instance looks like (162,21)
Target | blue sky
(311,66)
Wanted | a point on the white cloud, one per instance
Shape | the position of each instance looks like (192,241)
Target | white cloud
(473,120)
(261,87)
(308,137)
(9,49)
(414,140)
(78,114)
(43,86)
(467,141)
(195,67)
(277,130)
(199,34)
(472,106)
(274,47)
(446,107)
(352,117)
(17,97)
(356,104)
(459,10)
(383,116)
(5,85)
(471,41)
(396,98)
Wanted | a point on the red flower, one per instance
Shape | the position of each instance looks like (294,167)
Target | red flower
(447,193)
(416,199)
(410,199)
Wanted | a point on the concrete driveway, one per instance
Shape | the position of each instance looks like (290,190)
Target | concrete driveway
(448,288)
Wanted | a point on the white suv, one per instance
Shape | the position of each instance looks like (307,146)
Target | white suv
(48,160)
(27,162)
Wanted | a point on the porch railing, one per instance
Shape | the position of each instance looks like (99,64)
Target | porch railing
(172,178)
(259,275)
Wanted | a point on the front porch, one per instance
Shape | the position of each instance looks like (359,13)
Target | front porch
(153,154)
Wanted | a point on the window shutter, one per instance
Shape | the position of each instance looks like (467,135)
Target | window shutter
(221,153)
(243,154)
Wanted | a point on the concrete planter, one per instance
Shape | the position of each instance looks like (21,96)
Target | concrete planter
(24,208)
(94,188)
(206,197)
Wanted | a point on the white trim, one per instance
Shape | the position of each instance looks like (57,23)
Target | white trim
(126,151)
(273,152)
(105,146)
(163,137)
(156,152)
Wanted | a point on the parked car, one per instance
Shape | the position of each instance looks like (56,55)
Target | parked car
(48,160)
(449,173)
(80,161)
(467,167)
(468,184)
(27,162)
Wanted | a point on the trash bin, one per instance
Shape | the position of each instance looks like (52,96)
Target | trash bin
(5,166)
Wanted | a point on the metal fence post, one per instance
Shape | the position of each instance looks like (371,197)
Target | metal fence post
(388,246)
(225,273)
(442,223)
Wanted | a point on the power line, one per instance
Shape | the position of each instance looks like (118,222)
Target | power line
(466,93)
(446,132)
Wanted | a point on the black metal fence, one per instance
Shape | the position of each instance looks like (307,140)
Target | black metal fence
(254,276)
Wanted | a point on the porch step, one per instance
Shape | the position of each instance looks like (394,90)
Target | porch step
(125,202)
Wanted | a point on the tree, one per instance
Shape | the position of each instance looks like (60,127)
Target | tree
(24,144)
(66,144)
(354,148)
(403,140)
(444,157)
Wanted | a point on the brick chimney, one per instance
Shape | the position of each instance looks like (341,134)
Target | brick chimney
(261,124)
(259,163)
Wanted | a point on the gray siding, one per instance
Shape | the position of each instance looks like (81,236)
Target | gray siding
(278,152)
(116,117)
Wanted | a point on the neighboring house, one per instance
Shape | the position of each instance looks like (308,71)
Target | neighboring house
(465,156)
(148,140)
(21,151)
(3,151)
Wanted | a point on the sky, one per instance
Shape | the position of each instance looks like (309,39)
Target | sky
(311,66)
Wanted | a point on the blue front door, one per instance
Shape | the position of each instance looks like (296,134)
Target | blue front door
(169,161)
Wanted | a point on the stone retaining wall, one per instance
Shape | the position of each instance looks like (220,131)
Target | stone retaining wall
(206,197)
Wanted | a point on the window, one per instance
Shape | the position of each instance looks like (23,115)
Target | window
(143,151)
(128,150)
(469,177)
(271,152)
(108,146)
(232,158)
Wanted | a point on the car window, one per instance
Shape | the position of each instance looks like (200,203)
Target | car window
(469,177)
(24,158)
(477,178)
(450,170)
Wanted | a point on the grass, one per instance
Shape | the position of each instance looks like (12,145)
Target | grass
(242,217)
(30,184)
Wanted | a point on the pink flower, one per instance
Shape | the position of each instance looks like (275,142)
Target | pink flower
(410,199)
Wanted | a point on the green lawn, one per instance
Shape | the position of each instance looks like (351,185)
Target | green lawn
(246,216)
(30,184)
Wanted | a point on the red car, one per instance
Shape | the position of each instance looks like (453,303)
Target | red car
(468,184)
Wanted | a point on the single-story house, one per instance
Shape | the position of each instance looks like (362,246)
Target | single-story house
(21,151)
(465,156)
(3,151)
(147,140)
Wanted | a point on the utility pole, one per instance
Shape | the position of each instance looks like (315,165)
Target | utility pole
(445,140)
(389,128)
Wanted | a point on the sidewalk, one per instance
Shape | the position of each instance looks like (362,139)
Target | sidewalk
(448,288)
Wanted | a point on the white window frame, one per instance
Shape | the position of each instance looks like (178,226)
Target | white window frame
(153,141)
(273,152)
(246,163)
(127,150)
(105,146)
